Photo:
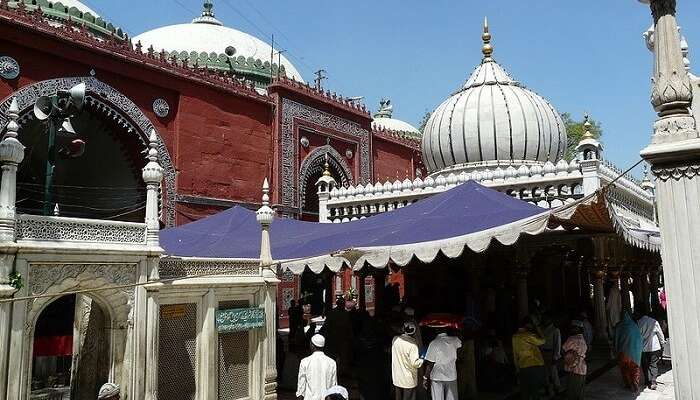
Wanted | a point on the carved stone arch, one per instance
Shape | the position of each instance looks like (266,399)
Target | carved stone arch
(46,279)
(314,162)
(115,104)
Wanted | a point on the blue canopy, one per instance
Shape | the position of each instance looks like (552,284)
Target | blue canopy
(469,214)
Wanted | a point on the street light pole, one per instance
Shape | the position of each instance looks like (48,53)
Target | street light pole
(50,165)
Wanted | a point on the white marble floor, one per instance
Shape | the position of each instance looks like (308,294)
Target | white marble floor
(609,386)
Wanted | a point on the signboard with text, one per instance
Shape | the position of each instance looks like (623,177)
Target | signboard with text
(239,319)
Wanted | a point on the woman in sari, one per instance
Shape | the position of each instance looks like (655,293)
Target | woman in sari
(628,347)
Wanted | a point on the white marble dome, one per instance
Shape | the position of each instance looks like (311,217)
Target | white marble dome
(206,34)
(492,118)
(383,119)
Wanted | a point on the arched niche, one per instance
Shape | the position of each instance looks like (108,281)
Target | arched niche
(128,128)
(312,168)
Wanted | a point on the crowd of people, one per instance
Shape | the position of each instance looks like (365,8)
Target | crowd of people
(391,355)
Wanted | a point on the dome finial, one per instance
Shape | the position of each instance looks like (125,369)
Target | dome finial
(486,49)
(587,127)
(207,16)
(326,167)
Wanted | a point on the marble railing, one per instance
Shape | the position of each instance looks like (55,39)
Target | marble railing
(62,229)
(547,185)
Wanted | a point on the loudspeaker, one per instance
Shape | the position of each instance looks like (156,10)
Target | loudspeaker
(43,108)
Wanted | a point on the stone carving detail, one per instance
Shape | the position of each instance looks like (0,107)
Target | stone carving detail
(63,229)
(292,110)
(676,173)
(314,163)
(120,105)
(161,108)
(9,68)
(674,128)
(43,276)
(173,268)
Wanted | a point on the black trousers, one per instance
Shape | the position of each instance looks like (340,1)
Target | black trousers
(650,366)
(405,394)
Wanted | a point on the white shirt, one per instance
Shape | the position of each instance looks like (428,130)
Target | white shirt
(652,334)
(443,352)
(317,373)
(405,362)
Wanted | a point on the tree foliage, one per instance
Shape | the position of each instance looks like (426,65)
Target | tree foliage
(424,121)
(575,131)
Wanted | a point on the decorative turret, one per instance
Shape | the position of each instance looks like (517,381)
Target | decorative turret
(11,154)
(589,148)
(207,16)
(265,215)
(325,184)
(152,175)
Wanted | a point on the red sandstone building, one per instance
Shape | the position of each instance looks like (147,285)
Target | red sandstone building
(226,118)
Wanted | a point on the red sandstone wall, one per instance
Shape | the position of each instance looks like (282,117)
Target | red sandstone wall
(393,160)
(219,142)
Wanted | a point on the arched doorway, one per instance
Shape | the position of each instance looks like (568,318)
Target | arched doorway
(71,349)
(104,183)
(116,128)
(311,169)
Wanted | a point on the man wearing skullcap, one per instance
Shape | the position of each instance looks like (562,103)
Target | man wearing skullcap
(108,391)
(336,393)
(317,372)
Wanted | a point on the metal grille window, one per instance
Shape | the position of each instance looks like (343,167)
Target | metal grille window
(234,360)
(177,352)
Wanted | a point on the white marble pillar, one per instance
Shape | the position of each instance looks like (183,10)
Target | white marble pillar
(11,154)
(208,376)
(152,332)
(600,318)
(152,175)
(265,216)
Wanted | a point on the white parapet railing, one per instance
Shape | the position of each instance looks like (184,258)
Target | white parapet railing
(547,185)
(39,228)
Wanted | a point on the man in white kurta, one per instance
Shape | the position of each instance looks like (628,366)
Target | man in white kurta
(441,372)
(405,361)
(317,372)
(653,338)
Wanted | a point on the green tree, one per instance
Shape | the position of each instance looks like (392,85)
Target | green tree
(575,131)
(424,121)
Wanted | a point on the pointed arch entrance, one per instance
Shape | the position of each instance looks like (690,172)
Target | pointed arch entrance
(311,169)
(119,133)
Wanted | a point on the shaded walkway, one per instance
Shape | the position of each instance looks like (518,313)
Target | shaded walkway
(609,386)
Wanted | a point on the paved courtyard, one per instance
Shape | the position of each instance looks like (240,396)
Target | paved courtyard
(609,386)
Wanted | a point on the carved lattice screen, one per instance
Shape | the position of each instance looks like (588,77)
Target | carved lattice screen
(234,369)
(177,352)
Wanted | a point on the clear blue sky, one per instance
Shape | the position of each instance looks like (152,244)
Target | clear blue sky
(583,56)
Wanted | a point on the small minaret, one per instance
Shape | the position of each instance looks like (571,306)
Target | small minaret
(647,184)
(589,148)
(325,184)
(11,154)
(152,174)
(265,215)
(589,151)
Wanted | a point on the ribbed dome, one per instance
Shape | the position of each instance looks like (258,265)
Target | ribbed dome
(492,118)
(206,34)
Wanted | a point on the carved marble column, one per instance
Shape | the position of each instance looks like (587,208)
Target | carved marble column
(152,332)
(152,174)
(674,154)
(11,154)
(600,318)
(265,215)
